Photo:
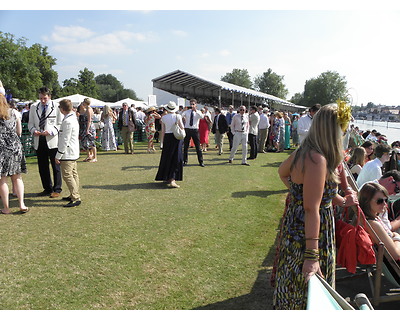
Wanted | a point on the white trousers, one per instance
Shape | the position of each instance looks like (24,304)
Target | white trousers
(239,138)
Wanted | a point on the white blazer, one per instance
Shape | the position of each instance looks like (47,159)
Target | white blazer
(68,138)
(53,121)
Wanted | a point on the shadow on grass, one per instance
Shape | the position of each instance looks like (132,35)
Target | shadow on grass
(135,168)
(258,193)
(129,186)
(260,295)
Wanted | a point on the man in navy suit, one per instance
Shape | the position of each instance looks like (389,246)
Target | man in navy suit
(219,128)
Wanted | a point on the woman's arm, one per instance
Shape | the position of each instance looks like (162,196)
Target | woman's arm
(284,170)
(392,246)
(315,171)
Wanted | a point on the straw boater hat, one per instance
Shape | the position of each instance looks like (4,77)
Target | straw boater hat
(171,107)
(150,109)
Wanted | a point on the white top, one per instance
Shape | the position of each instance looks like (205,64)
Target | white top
(169,120)
(371,171)
(68,139)
(303,126)
(264,122)
(254,119)
(197,115)
(236,125)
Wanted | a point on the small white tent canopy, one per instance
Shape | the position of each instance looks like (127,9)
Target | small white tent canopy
(76,99)
(129,101)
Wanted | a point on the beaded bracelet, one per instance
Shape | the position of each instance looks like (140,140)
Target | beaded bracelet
(311,254)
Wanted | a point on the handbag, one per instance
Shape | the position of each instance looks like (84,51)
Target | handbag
(178,132)
(353,242)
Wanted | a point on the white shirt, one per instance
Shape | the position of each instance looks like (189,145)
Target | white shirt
(303,126)
(370,171)
(197,115)
(236,125)
(169,120)
(264,122)
(254,119)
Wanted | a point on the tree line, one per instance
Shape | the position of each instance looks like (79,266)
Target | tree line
(24,69)
(328,87)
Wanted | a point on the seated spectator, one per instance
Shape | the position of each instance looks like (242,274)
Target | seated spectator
(372,200)
(391,181)
(369,149)
(372,170)
(357,161)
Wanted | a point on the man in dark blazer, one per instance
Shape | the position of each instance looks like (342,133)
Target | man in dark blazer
(44,123)
(126,125)
(219,128)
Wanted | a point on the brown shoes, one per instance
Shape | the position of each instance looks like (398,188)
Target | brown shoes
(54,195)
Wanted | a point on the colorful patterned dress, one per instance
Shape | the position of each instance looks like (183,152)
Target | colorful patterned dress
(150,127)
(87,140)
(290,286)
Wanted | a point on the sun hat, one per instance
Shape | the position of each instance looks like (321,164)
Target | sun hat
(151,109)
(172,107)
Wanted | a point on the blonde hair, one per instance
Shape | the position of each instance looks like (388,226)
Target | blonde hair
(358,156)
(86,102)
(107,110)
(66,105)
(325,138)
(4,108)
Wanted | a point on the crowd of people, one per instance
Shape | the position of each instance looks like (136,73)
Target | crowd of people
(323,140)
(318,185)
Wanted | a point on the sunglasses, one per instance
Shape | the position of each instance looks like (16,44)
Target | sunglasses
(380,201)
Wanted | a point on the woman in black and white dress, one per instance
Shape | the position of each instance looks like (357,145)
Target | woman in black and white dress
(12,159)
(170,168)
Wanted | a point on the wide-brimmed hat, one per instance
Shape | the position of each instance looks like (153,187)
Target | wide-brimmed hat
(171,107)
(150,109)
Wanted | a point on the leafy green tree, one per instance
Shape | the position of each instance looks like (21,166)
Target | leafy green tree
(297,98)
(328,87)
(86,83)
(239,77)
(18,71)
(70,87)
(111,89)
(271,83)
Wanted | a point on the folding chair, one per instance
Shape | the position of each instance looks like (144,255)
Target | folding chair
(385,263)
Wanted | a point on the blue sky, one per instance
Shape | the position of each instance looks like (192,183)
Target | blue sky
(138,46)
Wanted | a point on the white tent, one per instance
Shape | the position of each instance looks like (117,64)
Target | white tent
(76,99)
(129,101)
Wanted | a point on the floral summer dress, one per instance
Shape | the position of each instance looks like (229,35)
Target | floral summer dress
(108,135)
(290,286)
(150,127)
(12,158)
(87,140)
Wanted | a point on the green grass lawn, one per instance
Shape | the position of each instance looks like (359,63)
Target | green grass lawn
(136,244)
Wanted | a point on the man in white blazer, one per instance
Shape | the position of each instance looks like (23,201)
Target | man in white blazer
(44,123)
(68,152)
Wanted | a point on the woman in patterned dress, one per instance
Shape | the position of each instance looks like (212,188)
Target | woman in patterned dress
(12,159)
(307,244)
(108,141)
(87,131)
(150,127)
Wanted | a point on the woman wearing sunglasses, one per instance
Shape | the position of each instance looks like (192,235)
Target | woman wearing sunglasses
(373,201)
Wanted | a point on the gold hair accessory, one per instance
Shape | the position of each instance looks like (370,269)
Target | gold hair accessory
(343,114)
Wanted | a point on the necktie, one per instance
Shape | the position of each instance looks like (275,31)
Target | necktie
(242,123)
(42,120)
(124,120)
(191,118)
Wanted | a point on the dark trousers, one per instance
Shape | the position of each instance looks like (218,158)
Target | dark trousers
(44,155)
(194,134)
(253,146)
(230,138)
